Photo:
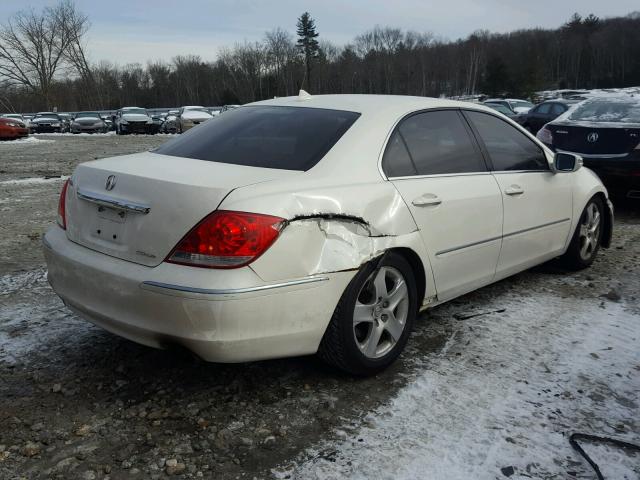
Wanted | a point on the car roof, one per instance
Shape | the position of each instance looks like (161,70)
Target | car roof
(369,104)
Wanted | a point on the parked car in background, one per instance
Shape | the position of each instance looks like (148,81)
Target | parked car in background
(88,122)
(15,116)
(170,124)
(506,111)
(605,132)
(226,108)
(12,128)
(214,111)
(543,113)
(107,121)
(250,237)
(515,105)
(47,122)
(189,117)
(133,120)
(66,121)
(158,120)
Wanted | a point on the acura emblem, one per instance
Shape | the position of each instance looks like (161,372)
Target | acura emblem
(111,182)
(592,137)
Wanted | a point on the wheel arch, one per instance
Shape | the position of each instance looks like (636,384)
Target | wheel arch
(419,272)
(607,231)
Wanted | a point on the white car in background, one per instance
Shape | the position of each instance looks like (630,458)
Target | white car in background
(517,106)
(16,116)
(316,224)
(189,117)
(133,120)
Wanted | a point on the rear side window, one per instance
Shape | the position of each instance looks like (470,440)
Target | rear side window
(509,148)
(558,109)
(287,138)
(437,143)
(544,108)
(396,161)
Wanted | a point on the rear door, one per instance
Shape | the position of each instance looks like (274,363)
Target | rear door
(436,165)
(539,116)
(537,202)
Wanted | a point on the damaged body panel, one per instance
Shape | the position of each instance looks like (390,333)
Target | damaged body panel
(338,230)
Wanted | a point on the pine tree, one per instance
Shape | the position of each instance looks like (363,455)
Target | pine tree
(307,42)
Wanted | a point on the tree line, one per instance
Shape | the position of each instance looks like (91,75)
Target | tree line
(44,63)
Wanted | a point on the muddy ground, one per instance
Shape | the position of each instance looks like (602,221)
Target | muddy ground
(78,402)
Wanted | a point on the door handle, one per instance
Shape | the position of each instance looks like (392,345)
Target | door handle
(428,199)
(514,190)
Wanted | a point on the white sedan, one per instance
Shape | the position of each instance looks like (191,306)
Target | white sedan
(316,224)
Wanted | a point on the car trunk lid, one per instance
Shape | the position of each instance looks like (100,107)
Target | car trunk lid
(137,207)
(595,139)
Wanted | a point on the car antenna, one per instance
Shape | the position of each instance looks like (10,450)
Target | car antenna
(302,96)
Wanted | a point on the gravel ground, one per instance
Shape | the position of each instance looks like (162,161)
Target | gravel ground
(489,387)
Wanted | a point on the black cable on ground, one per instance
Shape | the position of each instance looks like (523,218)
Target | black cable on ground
(573,440)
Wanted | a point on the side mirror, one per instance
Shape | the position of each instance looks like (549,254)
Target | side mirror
(566,162)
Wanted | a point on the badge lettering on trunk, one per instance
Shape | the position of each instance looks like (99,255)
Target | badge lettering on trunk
(111,182)
(592,137)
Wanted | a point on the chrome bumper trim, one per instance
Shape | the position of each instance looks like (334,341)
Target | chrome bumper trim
(112,202)
(149,285)
(597,155)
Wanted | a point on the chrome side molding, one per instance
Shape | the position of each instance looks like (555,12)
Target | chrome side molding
(112,202)
(158,286)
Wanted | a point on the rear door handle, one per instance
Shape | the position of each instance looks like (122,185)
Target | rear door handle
(514,190)
(428,199)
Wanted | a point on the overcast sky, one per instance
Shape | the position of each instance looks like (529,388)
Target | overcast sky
(125,31)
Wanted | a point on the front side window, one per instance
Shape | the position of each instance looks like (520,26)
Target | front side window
(558,109)
(509,148)
(437,143)
(287,138)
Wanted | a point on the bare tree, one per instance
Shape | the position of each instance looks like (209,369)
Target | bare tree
(33,46)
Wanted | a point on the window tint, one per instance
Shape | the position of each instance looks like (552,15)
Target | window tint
(544,108)
(396,161)
(557,109)
(508,148)
(438,143)
(288,138)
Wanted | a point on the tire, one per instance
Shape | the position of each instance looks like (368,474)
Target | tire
(368,346)
(587,237)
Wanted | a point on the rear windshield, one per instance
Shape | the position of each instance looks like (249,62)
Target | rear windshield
(287,138)
(616,110)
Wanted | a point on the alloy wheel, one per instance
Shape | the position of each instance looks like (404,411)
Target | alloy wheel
(380,313)
(589,231)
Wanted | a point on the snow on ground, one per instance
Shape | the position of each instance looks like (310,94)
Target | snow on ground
(34,180)
(30,140)
(39,321)
(505,392)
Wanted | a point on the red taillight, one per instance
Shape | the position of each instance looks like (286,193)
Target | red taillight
(226,239)
(62,206)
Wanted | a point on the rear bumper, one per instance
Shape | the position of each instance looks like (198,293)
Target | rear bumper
(221,315)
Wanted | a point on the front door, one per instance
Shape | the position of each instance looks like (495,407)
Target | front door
(537,202)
